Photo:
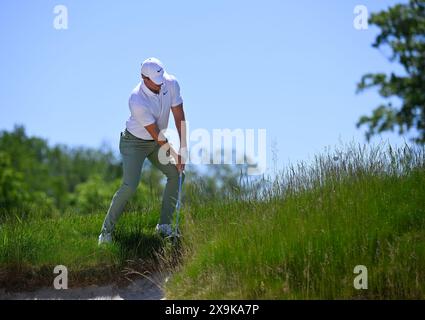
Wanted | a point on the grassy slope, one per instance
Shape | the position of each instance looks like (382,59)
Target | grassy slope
(31,248)
(306,245)
(302,240)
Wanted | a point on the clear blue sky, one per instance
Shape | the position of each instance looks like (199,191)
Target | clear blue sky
(290,67)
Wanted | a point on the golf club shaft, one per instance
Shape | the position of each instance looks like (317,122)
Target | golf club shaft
(178,204)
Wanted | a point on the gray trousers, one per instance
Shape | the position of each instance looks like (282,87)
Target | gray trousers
(134,151)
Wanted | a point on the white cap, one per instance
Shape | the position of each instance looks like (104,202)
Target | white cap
(154,70)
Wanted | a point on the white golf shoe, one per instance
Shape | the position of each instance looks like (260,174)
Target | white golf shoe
(164,230)
(105,238)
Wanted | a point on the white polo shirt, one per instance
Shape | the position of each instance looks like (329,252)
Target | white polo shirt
(147,107)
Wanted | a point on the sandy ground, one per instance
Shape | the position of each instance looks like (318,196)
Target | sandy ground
(147,288)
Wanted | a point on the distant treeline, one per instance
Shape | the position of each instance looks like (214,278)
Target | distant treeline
(57,178)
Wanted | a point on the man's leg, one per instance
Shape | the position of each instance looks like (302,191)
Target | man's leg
(133,155)
(169,197)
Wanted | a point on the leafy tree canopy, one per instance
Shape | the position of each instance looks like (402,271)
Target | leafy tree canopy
(402,30)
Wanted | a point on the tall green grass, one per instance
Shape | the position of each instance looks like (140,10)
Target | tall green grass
(301,235)
(30,248)
(297,236)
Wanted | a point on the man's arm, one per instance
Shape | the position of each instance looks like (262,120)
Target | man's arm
(157,135)
(180,121)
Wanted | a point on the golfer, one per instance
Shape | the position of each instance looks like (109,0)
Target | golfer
(150,104)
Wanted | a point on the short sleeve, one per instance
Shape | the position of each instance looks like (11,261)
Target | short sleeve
(176,98)
(140,112)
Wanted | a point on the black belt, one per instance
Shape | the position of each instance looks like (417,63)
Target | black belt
(130,134)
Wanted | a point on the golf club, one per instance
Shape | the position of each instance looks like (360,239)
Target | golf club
(176,233)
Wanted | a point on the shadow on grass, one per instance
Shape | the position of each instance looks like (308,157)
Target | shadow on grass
(146,256)
(147,252)
(138,245)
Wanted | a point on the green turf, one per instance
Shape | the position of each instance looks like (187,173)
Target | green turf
(305,238)
(299,236)
(31,248)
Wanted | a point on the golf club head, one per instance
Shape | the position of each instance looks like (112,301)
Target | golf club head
(174,237)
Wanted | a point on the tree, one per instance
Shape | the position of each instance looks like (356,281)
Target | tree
(403,32)
(13,190)
(32,172)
